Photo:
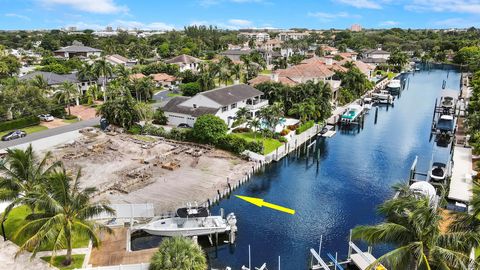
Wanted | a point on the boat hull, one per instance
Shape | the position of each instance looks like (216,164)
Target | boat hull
(187,232)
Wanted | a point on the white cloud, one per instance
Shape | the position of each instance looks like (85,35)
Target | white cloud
(240,22)
(389,23)
(125,25)
(327,17)
(14,15)
(457,6)
(92,6)
(361,3)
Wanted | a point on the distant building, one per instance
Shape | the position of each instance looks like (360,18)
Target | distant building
(223,102)
(116,59)
(164,80)
(262,36)
(284,36)
(108,29)
(356,28)
(375,56)
(77,49)
(185,62)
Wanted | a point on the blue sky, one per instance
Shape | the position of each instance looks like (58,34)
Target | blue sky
(234,14)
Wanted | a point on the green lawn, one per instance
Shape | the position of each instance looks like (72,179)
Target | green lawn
(16,219)
(173,95)
(29,130)
(266,72)
(57,261)
(269,145)
(70,121)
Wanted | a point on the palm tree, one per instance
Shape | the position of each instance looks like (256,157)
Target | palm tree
(178,253)
(242,114)
(254,124)
(469,221)
(68,91)
(413,226)
(65,210)
(23,173)
(237,71)
(104,69)
(39,81)
(122,72)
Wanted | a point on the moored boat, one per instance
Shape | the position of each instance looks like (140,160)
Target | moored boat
(394,86)
(367,103)
(438,172)
(383,96)
(352,113)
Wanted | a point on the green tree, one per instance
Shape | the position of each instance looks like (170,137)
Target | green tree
(254,124)
(104,69)
(412,226)
(242,114)
(68,92)
(178,253)
(209,128)
(190,89)
(159,117)
(120,111)
(65,209)
(144,111)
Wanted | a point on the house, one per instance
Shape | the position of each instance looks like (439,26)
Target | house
(272,44)
(77,49)
(223,102)
(255,36)
(375,56)
(284,36)
(234,55)
(116,59)
(329,49)
(185,62)
(136,76)
(55,80)
(164,80)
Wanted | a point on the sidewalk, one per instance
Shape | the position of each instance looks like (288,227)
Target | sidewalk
(23,261)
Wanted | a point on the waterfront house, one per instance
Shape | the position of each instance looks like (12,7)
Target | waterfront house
(223,102)
(77,49)
(375,56)
(164,80)
(136,76)
(116,59)
(185,62)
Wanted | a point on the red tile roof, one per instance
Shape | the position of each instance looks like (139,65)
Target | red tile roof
(163,77)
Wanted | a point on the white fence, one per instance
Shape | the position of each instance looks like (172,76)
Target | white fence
(127,211)
(139,266)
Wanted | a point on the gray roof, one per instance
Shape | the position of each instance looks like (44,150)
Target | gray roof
(374,60)
(231,94)
(376,51)
(236,52)
(174,106)
(78,47)
(184,59)
(51,78)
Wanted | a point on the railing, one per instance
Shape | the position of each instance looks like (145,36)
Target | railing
(257,104)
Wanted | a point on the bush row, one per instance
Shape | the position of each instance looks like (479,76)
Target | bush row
(304,127)
(19,123)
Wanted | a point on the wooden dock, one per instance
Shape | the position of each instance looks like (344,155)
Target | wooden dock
(113,251)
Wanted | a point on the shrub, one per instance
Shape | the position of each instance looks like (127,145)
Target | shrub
(190,89)
(159,117)
(292,127)
(150,129)
(19,123)
(135,129)
(232,143)
(70,117)
(282,140)
(58,111)
(255,146)
(180,134)
(268,133)
(242,130)
(209,128)
(304,127)
(285,132)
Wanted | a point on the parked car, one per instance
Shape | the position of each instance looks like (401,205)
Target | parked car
(46,117)
(184,125)
(14,135)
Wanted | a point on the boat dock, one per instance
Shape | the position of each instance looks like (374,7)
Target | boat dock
(461,182)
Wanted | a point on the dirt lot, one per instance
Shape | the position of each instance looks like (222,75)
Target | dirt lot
(167,174)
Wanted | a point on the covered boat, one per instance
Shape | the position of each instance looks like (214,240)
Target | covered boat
(383,96)
(178,226)
(367,103)
(394,86)
(438,172)
(445,124)
(352,113)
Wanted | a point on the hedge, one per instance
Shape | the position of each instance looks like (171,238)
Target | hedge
(237,145)
(19,123)
(304,127)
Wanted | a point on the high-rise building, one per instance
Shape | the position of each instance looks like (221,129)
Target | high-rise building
(356,28)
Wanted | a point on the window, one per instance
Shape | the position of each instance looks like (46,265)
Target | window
(224,109)
(233,106)
(194,106)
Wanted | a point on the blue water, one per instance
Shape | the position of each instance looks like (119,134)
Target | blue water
(341,189)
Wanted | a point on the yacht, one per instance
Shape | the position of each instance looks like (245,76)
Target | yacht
(178,226)
(383,96)
(445,125)
(438,172)
(367,103)
(394,86)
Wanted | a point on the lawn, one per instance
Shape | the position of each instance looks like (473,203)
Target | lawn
(57,261)
(173,95)
(16,219)
(28,130)
(70,121)
(269,145)
(266,72)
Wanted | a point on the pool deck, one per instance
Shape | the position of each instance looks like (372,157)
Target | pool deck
(113,251)
(461,182)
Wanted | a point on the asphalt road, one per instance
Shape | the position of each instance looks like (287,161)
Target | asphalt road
(50,132)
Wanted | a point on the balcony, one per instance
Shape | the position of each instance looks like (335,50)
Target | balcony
(256,104)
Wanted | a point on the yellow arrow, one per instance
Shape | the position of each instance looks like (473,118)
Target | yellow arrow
(262,203)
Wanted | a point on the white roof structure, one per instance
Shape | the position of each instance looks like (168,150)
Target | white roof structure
(461,182)
(424,188)
(126,211)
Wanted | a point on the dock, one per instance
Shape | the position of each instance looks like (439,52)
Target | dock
(461,181)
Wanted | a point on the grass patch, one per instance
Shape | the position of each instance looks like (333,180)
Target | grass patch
(173,95)
(269,144)
(144,138)
(28,130)
(70,121)
(16,219)
(266,72)
(57,261)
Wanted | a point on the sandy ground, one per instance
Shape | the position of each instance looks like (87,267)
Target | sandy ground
(53,124)
(83,112)
(129,171)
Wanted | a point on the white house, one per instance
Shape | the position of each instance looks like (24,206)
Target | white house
(375,56)
(256,36)
(223,102)
(77,49)
(116,59)
(185,62)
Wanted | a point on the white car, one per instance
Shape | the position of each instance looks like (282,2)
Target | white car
(46,117)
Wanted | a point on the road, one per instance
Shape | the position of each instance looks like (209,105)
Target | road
(51,132)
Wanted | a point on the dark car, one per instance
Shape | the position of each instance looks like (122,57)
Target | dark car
(184,125)
(14,135)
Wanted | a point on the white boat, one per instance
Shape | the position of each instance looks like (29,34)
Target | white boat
(394,86)
(177,226)
(383,96)
(438,172)
(352,113)
(367,103)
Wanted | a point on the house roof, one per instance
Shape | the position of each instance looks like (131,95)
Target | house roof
(362,66)
(136,76)
(116,58)
(236,52)
(370,60)
(376,51)
(265,78)
(77,47)
(51,78)
(163,77)
(183,59)
(313,68)
(174,106)
(231,94)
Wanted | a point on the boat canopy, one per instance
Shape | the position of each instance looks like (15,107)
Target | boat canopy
(424,188)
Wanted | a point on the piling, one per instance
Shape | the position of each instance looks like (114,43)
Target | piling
(376,115)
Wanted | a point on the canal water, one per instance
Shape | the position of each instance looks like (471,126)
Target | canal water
(341,188)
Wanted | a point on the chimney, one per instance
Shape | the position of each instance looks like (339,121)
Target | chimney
(274,76)
(328,60)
